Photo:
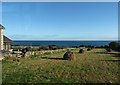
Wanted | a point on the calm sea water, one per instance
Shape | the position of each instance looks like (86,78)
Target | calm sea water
(60,43)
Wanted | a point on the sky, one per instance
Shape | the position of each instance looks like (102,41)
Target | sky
(60,20)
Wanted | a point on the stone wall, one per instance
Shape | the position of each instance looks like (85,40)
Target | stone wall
(32,53)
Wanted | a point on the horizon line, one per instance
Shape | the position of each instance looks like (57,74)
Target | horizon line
(65,40)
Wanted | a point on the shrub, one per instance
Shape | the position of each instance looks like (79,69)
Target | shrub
(24,50)
(22,55)
(28,48)
(108,49)
(34,49)
(114,45)
(43,48)
(81,51)
(53,47)
(119,48)
(106,46)
(81,46)
(47,53)
(69,56)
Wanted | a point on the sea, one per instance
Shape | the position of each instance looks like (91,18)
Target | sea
(60,43)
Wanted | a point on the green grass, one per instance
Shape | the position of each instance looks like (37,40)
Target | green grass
(93,66)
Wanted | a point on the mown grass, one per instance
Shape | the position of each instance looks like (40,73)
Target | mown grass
(95,66)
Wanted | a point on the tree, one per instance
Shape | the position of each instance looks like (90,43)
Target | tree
(119,48)
(114,45)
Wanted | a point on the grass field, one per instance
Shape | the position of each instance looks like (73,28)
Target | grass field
(95,66)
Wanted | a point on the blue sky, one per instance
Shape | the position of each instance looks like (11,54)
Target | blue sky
(60,21)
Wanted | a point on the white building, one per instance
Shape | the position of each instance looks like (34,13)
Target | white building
(5,43)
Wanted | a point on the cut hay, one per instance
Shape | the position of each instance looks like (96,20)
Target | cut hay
(69,56)
(81,51)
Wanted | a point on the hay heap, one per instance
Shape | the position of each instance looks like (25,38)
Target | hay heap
(89,49)
(69,56)
(81,51)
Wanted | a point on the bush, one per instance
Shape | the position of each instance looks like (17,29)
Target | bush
(43,48)
(47,53)
(114,45)
(108,49)
(53,47)
(69,56)
(106,46)
(82,46)
(26,49)
(119,48)
(81,51)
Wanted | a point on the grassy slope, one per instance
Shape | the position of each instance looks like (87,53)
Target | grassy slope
(89,67)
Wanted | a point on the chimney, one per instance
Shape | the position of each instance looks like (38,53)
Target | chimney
(1,37)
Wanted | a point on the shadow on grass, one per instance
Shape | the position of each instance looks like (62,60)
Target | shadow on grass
(56,58)
(111,60)
(113,54)
(52,58)
(44,57)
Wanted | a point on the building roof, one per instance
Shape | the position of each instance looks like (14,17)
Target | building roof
(7,40)
(2,27)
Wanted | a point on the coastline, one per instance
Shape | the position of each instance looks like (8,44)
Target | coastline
(59,43)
